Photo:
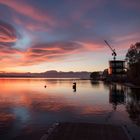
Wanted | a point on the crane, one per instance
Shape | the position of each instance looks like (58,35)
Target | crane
(114,54)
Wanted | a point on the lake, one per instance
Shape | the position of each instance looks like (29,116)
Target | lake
(28,108)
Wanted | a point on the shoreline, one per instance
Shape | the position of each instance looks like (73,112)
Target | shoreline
(131,85)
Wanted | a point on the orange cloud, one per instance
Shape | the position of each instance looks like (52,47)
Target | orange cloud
(50,52)
(38,53)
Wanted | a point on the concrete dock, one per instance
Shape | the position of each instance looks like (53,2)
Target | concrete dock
(85,131)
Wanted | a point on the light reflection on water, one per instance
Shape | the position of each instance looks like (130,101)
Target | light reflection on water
(27,103)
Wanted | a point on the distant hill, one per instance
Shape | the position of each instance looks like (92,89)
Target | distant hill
(49,74)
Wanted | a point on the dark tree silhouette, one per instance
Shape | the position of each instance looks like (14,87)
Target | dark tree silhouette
(133,61)
(95,75)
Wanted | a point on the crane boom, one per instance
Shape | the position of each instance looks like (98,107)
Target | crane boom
(108,45)
(113,50)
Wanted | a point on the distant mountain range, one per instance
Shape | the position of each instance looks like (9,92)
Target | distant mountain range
(49,74)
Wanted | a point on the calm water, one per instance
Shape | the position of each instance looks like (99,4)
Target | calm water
(26,106)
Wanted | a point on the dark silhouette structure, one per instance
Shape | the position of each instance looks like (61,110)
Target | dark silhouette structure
(116,95)
(96,75)
(116,67)
(114,54)
(74,87)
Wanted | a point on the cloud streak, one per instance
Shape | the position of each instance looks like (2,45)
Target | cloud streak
(38,53)
(8,37)
(7,33)
(50,31)
(28,10)
(50,52)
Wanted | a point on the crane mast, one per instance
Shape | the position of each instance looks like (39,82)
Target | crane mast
(114,54)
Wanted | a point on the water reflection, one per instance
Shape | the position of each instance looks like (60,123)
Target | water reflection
(25,103)
(119,94)
(94,83)
(6,122)
(116,95)
(133,106)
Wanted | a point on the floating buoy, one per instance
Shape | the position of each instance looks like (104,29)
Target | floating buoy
(74,86)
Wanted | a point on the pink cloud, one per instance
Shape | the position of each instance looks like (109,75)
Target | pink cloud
(31,26)
(122,43)
(38,53)
(7,33)
(28,10)
(50,52)
(91,46)
(8,37)
(129,37)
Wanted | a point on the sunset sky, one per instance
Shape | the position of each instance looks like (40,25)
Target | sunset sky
(65,35)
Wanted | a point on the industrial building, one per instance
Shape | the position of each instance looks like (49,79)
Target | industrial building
(116,67)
